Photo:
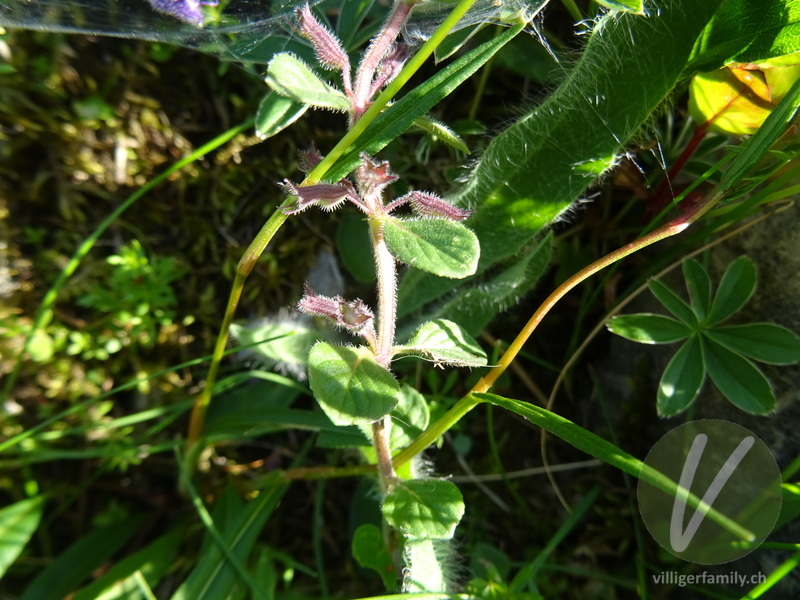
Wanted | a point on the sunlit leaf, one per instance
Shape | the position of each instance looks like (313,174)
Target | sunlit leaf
(424,509)
(291,77)
(439,246)
(443,341)
(649,328)
(18,522)
(349,385)
(682,379)
(632,6)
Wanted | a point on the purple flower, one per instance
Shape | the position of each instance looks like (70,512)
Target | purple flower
(187,11)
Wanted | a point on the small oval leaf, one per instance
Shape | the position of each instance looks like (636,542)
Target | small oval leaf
(275,113)
(443,341)
(291,77)
(424,509)
(439,246)
(350,385)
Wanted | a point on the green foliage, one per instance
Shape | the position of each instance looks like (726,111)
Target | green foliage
(18,522)
(349,385)
(439,246)
(424,509)
(290,77)
(370,552)
(721,352)
(445,342)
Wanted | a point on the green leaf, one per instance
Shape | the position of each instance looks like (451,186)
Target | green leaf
(648,328)
(239,526)
(439,246)
(424,509)
(152,561)
(370,552)
(18,522)
(354,247)
(682,379)
(739,380)
(737,286)
(76,563)
(283,342)
(790,508)
(409,419)
(275,113)
(631,6)
(672,302)
(474,307)
(441,132)
(765,342)
(594,445)
(698,284)
(745,31)
(444,342)
(350,385)
(291,77)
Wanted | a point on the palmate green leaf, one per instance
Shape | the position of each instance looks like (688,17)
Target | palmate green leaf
(371,553)
(672,302)
(747,31)
(152,562)
(439,246)
(648,328)
(76,563)
(291,77)
(424,509)
(739,380)
(402,115)
(275,113)
(18,522)
(445,342)
(350,385)
(698,284)
(764,342)
(682,379)
(735,289)
(632,6)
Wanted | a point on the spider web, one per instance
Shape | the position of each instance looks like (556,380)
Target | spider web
(239,30)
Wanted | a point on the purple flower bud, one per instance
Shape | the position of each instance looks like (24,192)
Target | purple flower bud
(187,11)
(427,205)
(390,66)
(308,159)
(353,315)
(373,176)
(327,46)
(328,196)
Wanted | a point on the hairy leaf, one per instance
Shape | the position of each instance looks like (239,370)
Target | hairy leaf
(445,342)
(424,509)
(275,113)
(291,77)
(349,385)
(439,246)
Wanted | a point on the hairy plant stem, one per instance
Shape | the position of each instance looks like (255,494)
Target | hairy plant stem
(376,51)
(386,271)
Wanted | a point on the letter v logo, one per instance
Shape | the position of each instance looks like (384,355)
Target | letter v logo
(680,539)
